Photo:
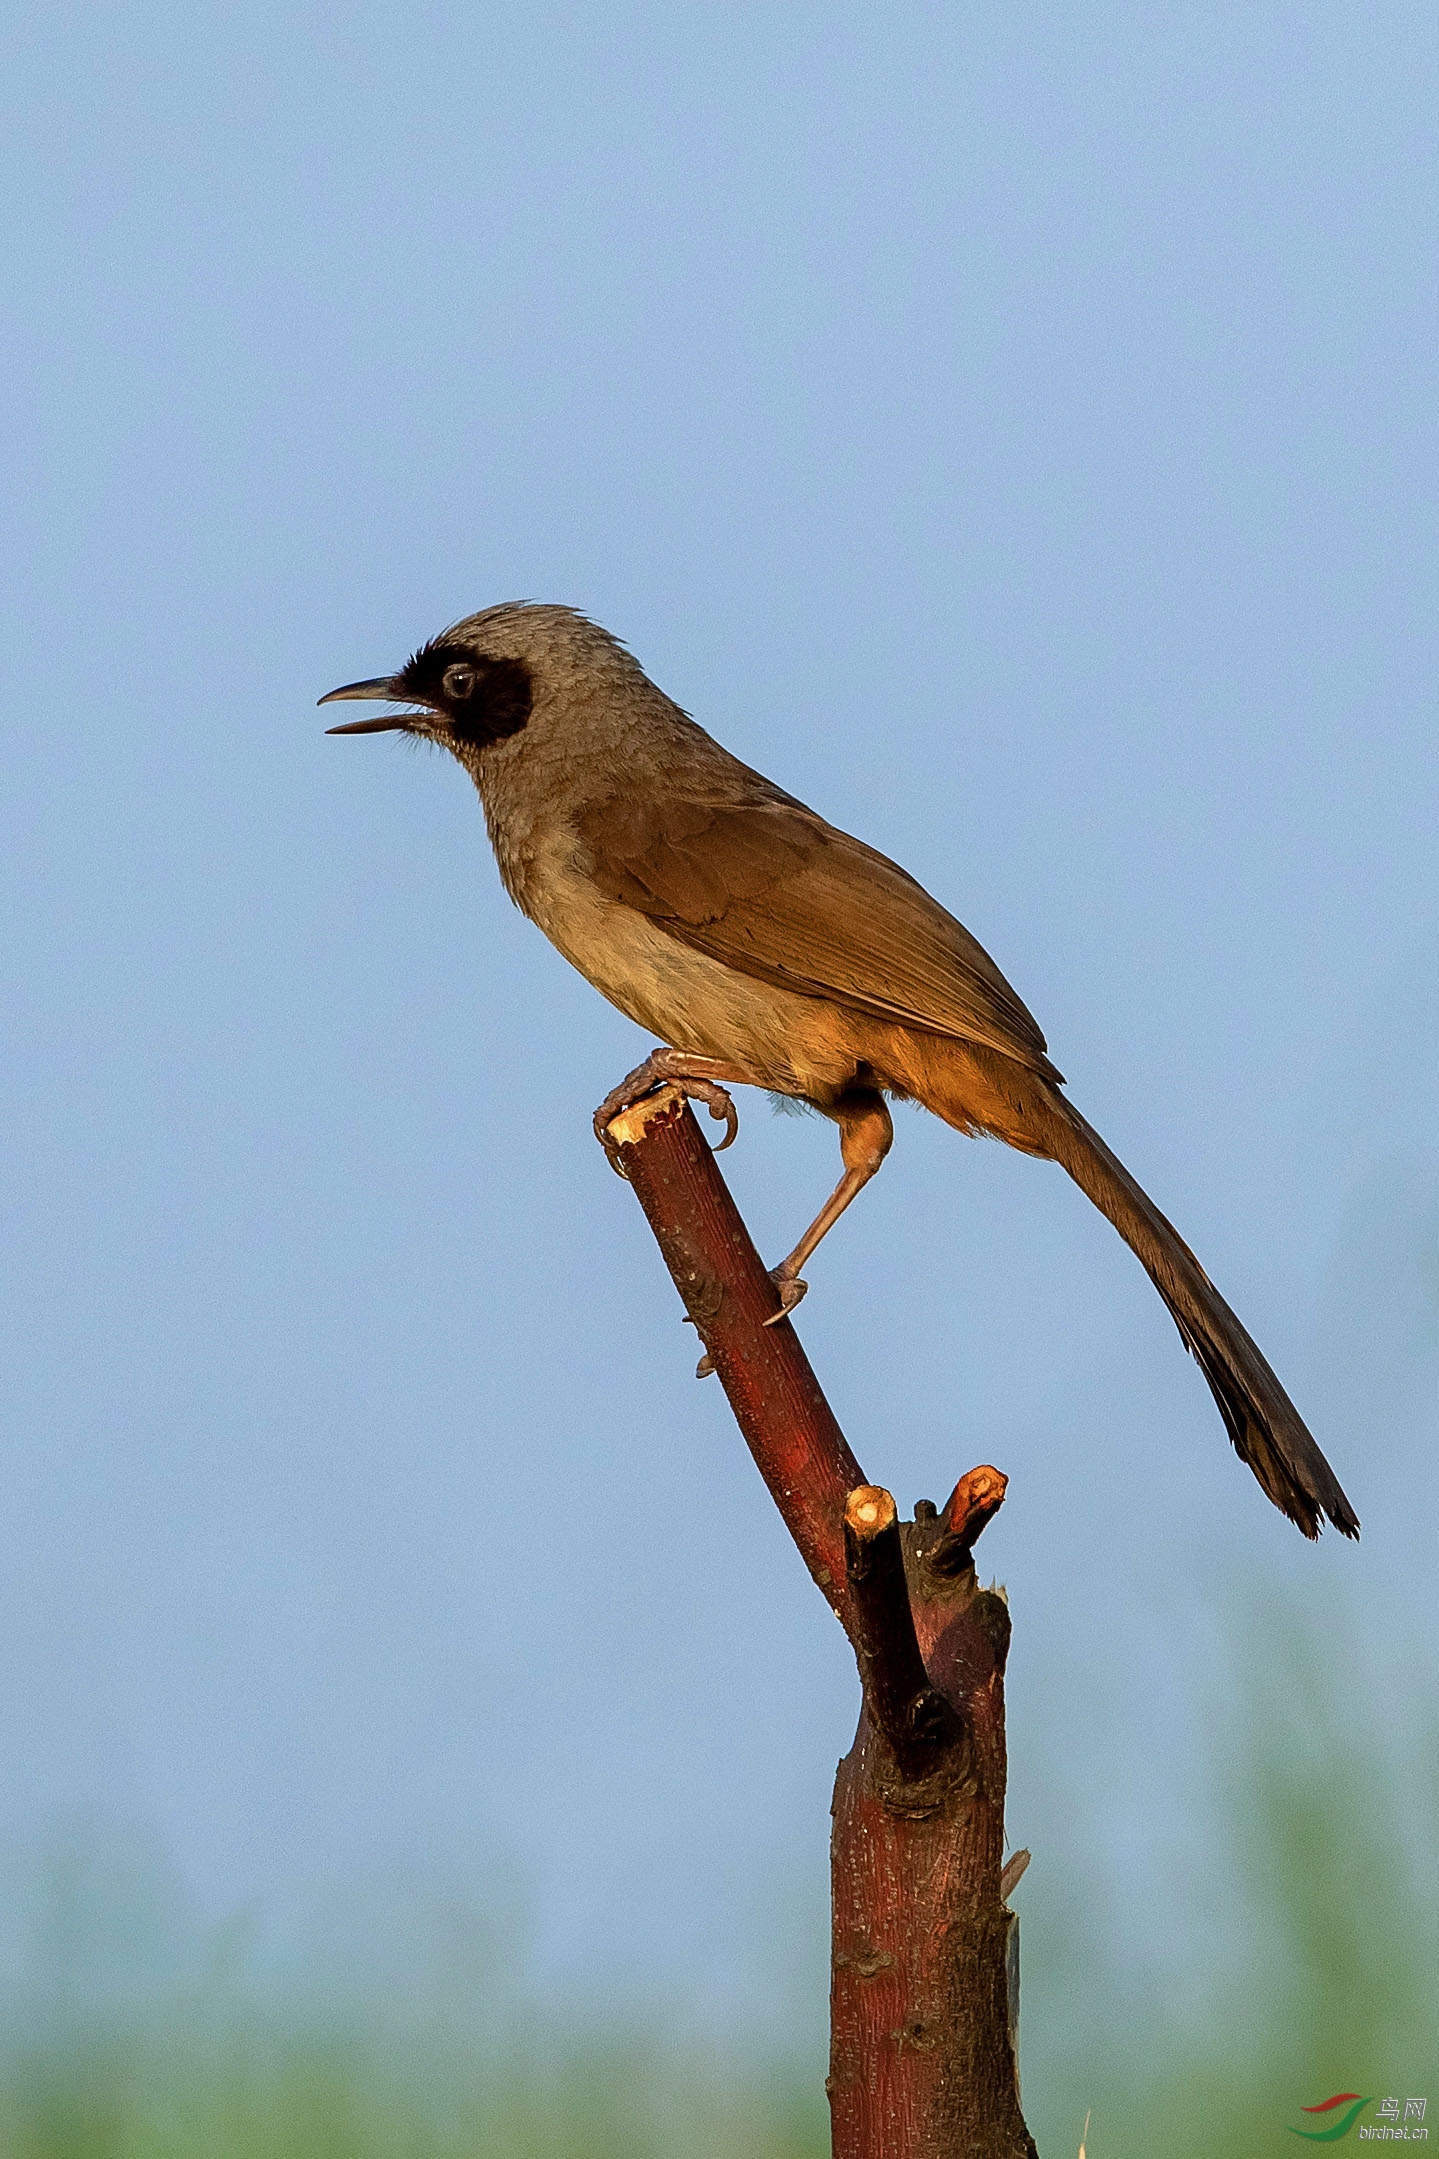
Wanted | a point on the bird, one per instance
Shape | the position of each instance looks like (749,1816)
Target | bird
(765,947)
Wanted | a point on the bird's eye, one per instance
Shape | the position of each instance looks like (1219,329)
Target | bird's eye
(458,681)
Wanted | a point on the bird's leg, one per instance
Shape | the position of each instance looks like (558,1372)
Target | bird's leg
(865,1136)
(703,1079)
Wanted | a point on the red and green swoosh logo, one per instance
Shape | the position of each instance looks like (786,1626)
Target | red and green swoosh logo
(1353,2107)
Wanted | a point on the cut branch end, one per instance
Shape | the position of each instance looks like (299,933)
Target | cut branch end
(974,1502)
(869,1511)
(631,1125)
(917,1724)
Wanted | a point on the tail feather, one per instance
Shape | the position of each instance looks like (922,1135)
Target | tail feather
(1267,1430)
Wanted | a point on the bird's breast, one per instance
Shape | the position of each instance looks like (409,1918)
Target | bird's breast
(790,1042)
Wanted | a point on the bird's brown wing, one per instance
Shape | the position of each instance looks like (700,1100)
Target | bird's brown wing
(766,886)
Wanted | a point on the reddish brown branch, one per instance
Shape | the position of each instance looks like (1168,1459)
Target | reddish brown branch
(922,2053)
(790,1428)
(916,1723)
(975,1500)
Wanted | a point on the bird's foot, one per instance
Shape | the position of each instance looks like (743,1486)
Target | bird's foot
(666,1068)
(790,1288)
(716,1099)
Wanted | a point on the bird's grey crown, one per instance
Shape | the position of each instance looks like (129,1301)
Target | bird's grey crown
(550,638)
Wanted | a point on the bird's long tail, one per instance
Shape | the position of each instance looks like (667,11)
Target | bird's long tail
(1267,1430)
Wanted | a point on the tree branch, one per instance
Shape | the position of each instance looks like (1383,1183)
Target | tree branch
(975,1501)
(916,1723)
(789,1427)
(922,1988)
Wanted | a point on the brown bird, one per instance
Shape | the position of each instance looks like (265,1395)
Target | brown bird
(764,946)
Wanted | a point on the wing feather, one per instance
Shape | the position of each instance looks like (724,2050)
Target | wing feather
(766,886)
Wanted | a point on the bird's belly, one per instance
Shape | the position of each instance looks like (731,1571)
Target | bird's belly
(786,1041)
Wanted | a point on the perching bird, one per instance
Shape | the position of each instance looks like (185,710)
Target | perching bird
(764,946)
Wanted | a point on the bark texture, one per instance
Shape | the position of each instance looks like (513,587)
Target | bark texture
(924,1978)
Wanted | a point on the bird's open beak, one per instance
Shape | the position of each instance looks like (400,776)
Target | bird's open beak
(383,686)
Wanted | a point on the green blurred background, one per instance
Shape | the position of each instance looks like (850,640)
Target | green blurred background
(395,2019)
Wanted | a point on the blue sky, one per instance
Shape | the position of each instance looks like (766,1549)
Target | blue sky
(1010,427)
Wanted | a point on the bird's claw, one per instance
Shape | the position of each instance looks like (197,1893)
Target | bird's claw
(791,1289)
(619,1098)
(720,1104)
(716,1099)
